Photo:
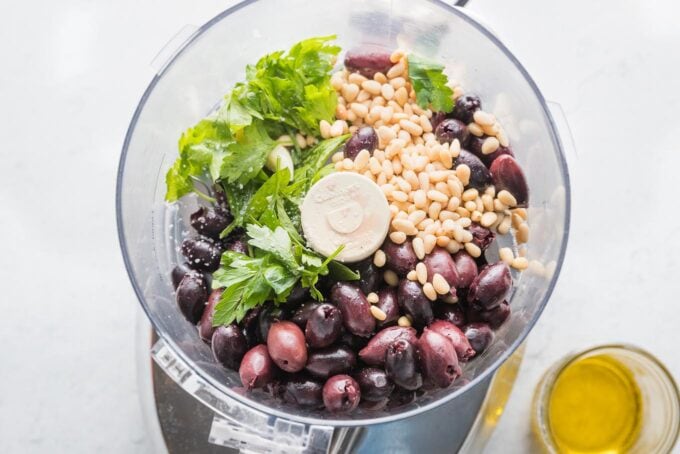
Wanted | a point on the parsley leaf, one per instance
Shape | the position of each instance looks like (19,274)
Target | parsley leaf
(429,83)
(246,157)
(277,243)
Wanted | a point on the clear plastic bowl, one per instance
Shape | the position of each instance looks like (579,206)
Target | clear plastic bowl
(191,84)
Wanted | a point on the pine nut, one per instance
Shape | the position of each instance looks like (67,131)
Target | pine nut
(429,292)
(470,194)
(404,322)
(361,160)
(437,196)
(520,263)
(424,180)
(473,250)
(359,110)
(387,169)
(443,241)
(446,158)
(347,164)
(521,212)
(325,129)
(470,206)
(404,225)
(430,242)
(419,248)
(379,258)
(399,196)
(337,128)
(411,127)
(356,78)
(391,278)
(337,81)
(506,198)
(340,112)
(503,138)
(445,215)
(420,199)
(396,55)
(490,130)
(378,313)
(506,255)
(398,237)
(372,298)
(488,218)
(339,167)
(434,210)
(350,92)
(490,145)
(363,96)
(522,234)
(463,174)
(398,82)
(396,70)
(421,273)
(499,206)
(483,118)
(453,247)
(476,216)
(417,216)
(372,86)
(487,201)
(504,226)
(440,285)
(401,95)
(475,129)
(386,114)
(411,275)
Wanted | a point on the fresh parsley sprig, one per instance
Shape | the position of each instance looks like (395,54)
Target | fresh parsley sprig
(430,84)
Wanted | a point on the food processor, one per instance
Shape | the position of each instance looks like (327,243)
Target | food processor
(194,395)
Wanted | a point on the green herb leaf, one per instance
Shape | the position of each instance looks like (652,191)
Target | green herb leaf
(276,242)
(429,83)
(246,157)
(341,272)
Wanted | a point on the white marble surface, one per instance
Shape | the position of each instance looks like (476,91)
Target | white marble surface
(70,77)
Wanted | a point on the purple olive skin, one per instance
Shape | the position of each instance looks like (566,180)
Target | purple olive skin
(210,221)
(178,273)
(205,325)
(481,236)
(341,394)
(229,345)
(220,197)
(452,313)
(465,108)
(286,346)
(257,368)
(191,296)
(508,175)
(202,253)
(439,261)
(298,295)
(374,383)
(480,336)
(413,302)
(388,303)
(494,317)
(355,309)
(237,244)
(438,359)
(364,139)
(466,267)
(301,315)
(450,129)
(400,365)
(371,277)
(453,333)
(491,286)
(474,146)
(373,353)
(268,315)
(437,117)
(356,343)
(323,326)
(330,361)
(480,177)
(250,326)
(401,258)
(303,391)
(367,61)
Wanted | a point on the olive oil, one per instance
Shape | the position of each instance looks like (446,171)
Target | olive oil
(595,406)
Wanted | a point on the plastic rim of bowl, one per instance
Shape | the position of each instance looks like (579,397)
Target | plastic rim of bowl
(366,421)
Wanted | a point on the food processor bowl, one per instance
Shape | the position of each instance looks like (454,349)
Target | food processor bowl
(193,82)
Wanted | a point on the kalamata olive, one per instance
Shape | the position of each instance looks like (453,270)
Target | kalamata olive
(356,343)
(229,345)
(331,360)
(202,253)
(237,243)
(298,295)
(437,117)
(355,309)
(495,317)
(205,326)
(191,296)
(450,129)
(178,273)
(368,60)
(481,236)
(401,397)
(466,267)
(465,108)
(388,303)
(400,257)
(269,314)
(364,139)
(302,313)
(220,197)
(438,359)
(210,221)
(474,146)
(400,365)
(303,391)
(373,353)
(453,333)
(480,336)
(491,286)
(413,302)
(374,383)
(341,393)
(286,346)
(480,177)
(250,326)
(453,313)
(439,261)
(508,175)
(257,368)
(323,326)
(370,276)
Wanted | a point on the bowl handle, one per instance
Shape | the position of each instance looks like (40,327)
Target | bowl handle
(238,426)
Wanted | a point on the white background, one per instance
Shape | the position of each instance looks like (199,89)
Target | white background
(71,73)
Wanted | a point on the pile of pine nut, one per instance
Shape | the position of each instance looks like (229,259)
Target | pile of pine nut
(430,202)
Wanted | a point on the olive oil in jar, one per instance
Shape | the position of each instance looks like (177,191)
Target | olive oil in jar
(595,406)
